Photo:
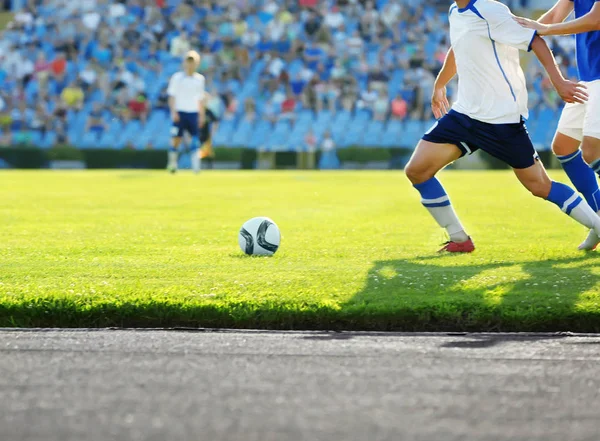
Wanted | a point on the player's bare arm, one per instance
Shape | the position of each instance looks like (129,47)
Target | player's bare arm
(569,91)
(439,101)
(588,23)
(558,13)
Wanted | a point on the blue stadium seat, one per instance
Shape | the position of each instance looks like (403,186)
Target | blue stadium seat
(89,140)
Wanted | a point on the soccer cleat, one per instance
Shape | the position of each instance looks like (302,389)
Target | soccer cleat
(458,247)
(591,242)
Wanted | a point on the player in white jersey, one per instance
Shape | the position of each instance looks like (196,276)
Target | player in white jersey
(489,114)
(186,102)
(579,123)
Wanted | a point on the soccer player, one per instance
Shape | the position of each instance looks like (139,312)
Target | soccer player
(186,103)
(579,124)
(489,114)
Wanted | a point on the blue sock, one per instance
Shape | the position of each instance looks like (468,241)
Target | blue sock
(437,202)
(564,197)
(432,193)
(583,178)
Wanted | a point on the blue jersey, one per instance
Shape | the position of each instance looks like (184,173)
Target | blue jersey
(588,45)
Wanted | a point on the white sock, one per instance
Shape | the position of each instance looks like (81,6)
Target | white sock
(585,215)
(196,161)
(447,218)
(172,160)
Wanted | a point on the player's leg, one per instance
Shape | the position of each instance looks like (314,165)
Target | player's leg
(194,131)
(173,154)
(590,148)
(195,155)
(176,134)
(566,148)
(207,153)
(581,175)
(426,161)
(511,143)
(537,181)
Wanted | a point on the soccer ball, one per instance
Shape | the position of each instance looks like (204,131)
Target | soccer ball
(259,236)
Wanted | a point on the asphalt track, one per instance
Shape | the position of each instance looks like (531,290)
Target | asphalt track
(102,385)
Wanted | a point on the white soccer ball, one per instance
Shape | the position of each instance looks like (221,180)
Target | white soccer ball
(259,236)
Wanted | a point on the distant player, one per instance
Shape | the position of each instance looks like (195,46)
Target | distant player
(580,123)
(489,114)
(211,123)
(186,103)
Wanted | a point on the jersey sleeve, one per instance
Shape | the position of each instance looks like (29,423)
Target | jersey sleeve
(172,85)
(505,30)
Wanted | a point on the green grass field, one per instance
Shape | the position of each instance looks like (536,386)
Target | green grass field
(146,249)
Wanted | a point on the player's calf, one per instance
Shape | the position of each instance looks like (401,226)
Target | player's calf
(426,161)
(536,180)
(591,152)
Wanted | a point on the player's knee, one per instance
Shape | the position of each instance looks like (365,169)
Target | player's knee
(416,173)
(590,150)
(560,149)
(540,188)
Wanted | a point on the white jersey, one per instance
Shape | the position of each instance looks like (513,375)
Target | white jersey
(187,90)
(486,43)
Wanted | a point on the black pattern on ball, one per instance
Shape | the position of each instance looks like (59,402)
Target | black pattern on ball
(249,242)
(261,237)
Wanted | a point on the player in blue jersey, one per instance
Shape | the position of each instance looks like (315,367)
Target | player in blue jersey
(489,114)
(580,123)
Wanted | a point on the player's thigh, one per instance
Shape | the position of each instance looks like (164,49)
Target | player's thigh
(428,159)
(535,179)
(591,124)
(570,129)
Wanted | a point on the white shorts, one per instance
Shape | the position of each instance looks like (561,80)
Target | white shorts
(579,120)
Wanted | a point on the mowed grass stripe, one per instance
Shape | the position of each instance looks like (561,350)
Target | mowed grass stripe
(144,248)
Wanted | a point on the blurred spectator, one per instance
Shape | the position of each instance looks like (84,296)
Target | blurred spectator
(162,102)
(231,106)
(72,96)
(41,67)
(88,77)
(328,143)
(21,117)
(310,140)
(399,108)
(180,45)
(58,66)
(381,107)
(287,108)
(312,24)
(249,110)
(139,107)
(39,120)
(59,123)
(95,121)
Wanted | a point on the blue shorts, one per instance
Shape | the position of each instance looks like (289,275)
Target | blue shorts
(509,143)
(188,122)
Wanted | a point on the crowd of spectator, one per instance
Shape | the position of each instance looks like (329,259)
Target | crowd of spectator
(110,60)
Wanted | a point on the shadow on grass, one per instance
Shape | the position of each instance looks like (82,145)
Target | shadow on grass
(423,294)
